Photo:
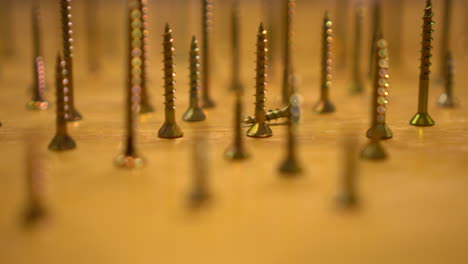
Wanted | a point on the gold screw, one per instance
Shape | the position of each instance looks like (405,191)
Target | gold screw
(130,158)
(347,196)
(145,105)
(37,101)
(357,85)
(379,127)
(290,165)
(260,129)
(67,35)
(288,71)
(446,99)
(422,117)
(237,150)
(170,129)
(194,113)
(207,21)
(61,141)
(324,105)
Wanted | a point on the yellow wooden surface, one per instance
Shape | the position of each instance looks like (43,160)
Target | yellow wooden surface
(413,206)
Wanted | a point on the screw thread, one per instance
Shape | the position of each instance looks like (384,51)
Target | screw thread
(67,40)
(145,99)
(207,22)
(261,75)
(379,97)
(272,114)
(426,47)
(449,72)
(326,58)
(194,74)
(169,74)
(39,85)
(61,83)
(288,70)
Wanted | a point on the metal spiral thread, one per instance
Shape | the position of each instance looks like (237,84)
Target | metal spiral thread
(288,71)
(194,113)
(130,158)
(379,128)
(446,99)
(37,101)
(376,28)
(357,85)
(422,117)
(61,141)
(270,115)
(67,39)
(170,129)
(260,128)
(207,22)
(324,105)
(290,165)
(145,106)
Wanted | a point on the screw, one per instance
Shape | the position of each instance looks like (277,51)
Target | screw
(288,71)
(236,84)
(207,21)
(130,158)
(260,128)
(170,129)
(36,209)
(237,150)
(324,105)
(422,117)
(194,113)
(290,165)
(376,28)
(92,34)
(145,105)
(271,115)
(347,196)
(379,101)
(446,99)
(61,141)
(200,193)
(37,101)
(67,35)
(374,150)
(341,21)
(445,37)
(357,85)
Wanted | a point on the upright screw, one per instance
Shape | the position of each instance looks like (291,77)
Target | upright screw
(347,197)
(237,150)
(37,101)
(130,158)
(36,209)
(145,106)
(422,117)
(446,99)
(200,192)
(67,35)
(61,141)
(445,37)
(324,105)
(379,102)
(288,70)
(194,113)
(290,165)
(341,20)
(236,84)
(357,85)
(207,21)
(376,28)
(170,129)
(260,129)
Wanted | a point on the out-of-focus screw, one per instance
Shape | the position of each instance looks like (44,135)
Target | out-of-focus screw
(145,105)
(290,165)
(207,22)
(324,105)
(446,99)
(237,150)
(357,85)
(194,113)
(236,83)
(288,70)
